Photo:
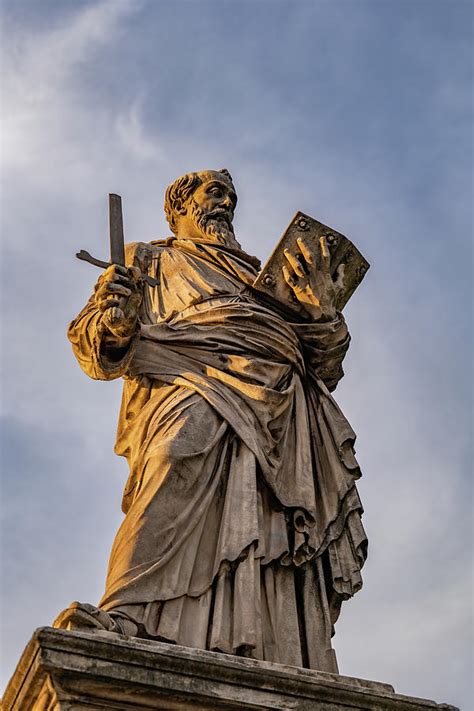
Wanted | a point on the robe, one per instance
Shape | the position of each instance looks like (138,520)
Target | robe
(242,530)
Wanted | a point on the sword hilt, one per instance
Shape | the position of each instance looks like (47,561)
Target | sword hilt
(86,257)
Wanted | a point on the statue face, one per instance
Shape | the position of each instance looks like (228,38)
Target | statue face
(216,195)
(210,210)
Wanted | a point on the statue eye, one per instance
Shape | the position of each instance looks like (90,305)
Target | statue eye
(216,191)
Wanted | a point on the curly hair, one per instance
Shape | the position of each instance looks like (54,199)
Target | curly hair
(178,193)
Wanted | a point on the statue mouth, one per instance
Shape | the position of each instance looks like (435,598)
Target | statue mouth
(215,223)
(220,213)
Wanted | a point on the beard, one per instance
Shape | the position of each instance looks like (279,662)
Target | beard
(214,225)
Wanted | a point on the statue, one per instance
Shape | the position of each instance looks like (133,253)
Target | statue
(242,531)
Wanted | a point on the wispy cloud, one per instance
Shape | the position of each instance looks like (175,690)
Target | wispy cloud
(352,112)
(131,133)
(40,73)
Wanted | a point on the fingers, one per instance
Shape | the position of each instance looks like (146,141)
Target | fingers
(117,291)
(114,270)
(322,260)
(129,277)
(325,256)
(296,284)
(114,315)
(119,323)
(110,292)
(135,274)
(108,304)
(308,257)
(289,278)
(113,287)
(114,320)
(294,263)
(113,283)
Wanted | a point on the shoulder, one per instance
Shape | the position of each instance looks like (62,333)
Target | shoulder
(141,253)
(161,243)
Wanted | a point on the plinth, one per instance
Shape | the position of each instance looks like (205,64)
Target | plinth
(78,670)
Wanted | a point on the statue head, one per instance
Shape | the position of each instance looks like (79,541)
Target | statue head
(201,206)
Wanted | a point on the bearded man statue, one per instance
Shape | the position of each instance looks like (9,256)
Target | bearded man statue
(242,531)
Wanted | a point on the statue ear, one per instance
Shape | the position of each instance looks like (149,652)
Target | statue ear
(179,206)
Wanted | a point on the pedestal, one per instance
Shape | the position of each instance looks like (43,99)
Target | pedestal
(77,670)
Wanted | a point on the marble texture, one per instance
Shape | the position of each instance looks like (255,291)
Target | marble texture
(242,530)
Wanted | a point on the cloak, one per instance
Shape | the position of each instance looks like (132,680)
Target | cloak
(242,529)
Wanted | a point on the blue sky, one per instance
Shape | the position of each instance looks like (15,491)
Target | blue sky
(355,111)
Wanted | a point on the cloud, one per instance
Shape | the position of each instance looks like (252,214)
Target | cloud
(355,115)
(131,133)
(39,73)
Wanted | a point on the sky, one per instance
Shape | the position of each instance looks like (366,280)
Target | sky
(357,112)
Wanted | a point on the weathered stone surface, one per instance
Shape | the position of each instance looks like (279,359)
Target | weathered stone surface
(78,670)
(341,250)
(242,531)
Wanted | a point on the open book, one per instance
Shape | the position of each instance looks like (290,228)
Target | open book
(270,282)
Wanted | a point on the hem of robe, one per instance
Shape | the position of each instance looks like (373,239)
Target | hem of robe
(269,612)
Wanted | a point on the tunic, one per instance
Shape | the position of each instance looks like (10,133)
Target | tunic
(242,529)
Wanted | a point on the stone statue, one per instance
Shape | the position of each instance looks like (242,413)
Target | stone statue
(242,531)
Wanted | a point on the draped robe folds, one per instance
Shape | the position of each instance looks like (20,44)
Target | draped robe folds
(242,529)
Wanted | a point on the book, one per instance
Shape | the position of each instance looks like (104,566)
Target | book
(271,284)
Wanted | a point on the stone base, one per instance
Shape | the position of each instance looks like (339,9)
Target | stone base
(79,670)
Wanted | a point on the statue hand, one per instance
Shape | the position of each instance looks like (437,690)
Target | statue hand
(310,280)
(118,294)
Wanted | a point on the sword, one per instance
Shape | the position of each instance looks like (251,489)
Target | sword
(117,243)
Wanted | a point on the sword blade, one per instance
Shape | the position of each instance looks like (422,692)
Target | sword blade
(117,244)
